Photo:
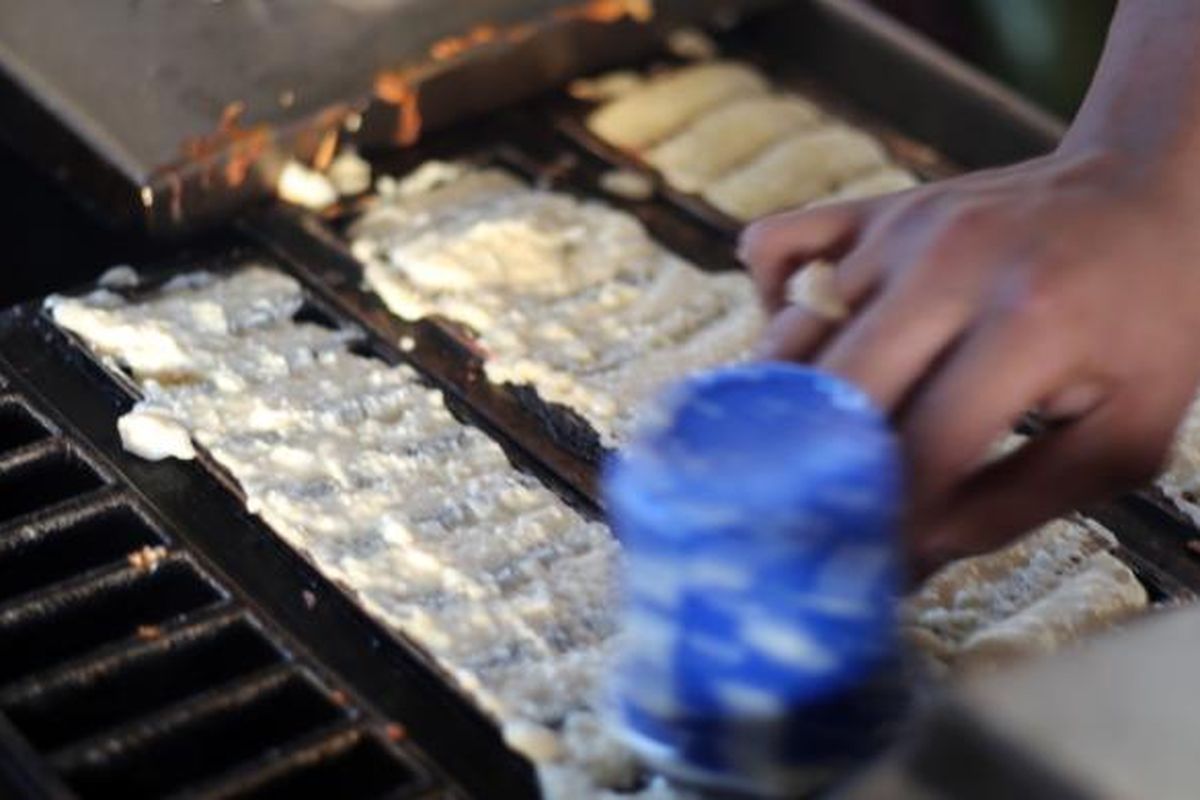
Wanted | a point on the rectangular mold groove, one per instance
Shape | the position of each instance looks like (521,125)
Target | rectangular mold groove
(35,481)
(360,761)
(229,726)
(43,630)
(157,674)
(69,544)
(18,426)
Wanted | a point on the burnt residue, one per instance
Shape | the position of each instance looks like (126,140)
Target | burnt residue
(235,163)
(400,87)
(565,426)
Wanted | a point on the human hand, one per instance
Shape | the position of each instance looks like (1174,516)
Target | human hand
(1069,284)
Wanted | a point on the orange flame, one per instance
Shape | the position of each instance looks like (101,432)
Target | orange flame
(396,88)
(452,46)
(609,11)
(245,145)
(399,87)
(326,150)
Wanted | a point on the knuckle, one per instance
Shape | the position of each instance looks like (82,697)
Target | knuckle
(1034,297)
(756,241)
(957,236)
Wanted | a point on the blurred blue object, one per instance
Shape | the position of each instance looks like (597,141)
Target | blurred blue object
(759,508)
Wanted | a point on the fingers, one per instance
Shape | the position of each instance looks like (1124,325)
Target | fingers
(894,340)
(798,331)
(1083,463)
(973,399)
(774,247)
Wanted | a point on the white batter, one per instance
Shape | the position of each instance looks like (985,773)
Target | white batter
(360,466)
(727,137)
(570,296)
(422,519)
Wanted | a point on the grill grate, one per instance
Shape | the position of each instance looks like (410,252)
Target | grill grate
(40,476)
(54,549)
(236,721)
(131,671)
(19,427)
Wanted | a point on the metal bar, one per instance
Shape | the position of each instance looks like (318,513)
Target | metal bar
(205,623)
(55,650)
(130,735)
(16,415)
(322,745)
(80,589)
(23,774)
(61,515)
(37,451)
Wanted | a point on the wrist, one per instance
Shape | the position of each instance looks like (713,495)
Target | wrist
(1166,173)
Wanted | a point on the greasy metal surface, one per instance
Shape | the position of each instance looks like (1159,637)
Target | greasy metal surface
(320,624)
(878,64)
(131,668)
(176,112)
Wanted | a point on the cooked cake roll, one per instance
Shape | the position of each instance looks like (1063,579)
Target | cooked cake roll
(728,136)
(664,105)
(1026,598)
(795,171)
(569,296)
(873,184)
(1103,593)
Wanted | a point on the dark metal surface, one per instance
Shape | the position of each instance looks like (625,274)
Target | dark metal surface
(175,114)
(133,672)
(933,97)
(282,630)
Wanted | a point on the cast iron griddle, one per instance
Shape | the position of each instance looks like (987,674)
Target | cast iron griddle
(232,668)
(191,506)
(173,112)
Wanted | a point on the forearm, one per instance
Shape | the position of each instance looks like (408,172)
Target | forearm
(1144,103)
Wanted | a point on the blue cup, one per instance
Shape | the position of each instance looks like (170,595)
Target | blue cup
(759,508)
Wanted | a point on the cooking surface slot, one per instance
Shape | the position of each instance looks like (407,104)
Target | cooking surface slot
(68,546)
(31,485)
(161,673)
(18,427)
(42,633)
(232,727)
(365,765)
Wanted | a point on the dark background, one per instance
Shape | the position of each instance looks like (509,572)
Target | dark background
(1047,49)
(1044,48)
